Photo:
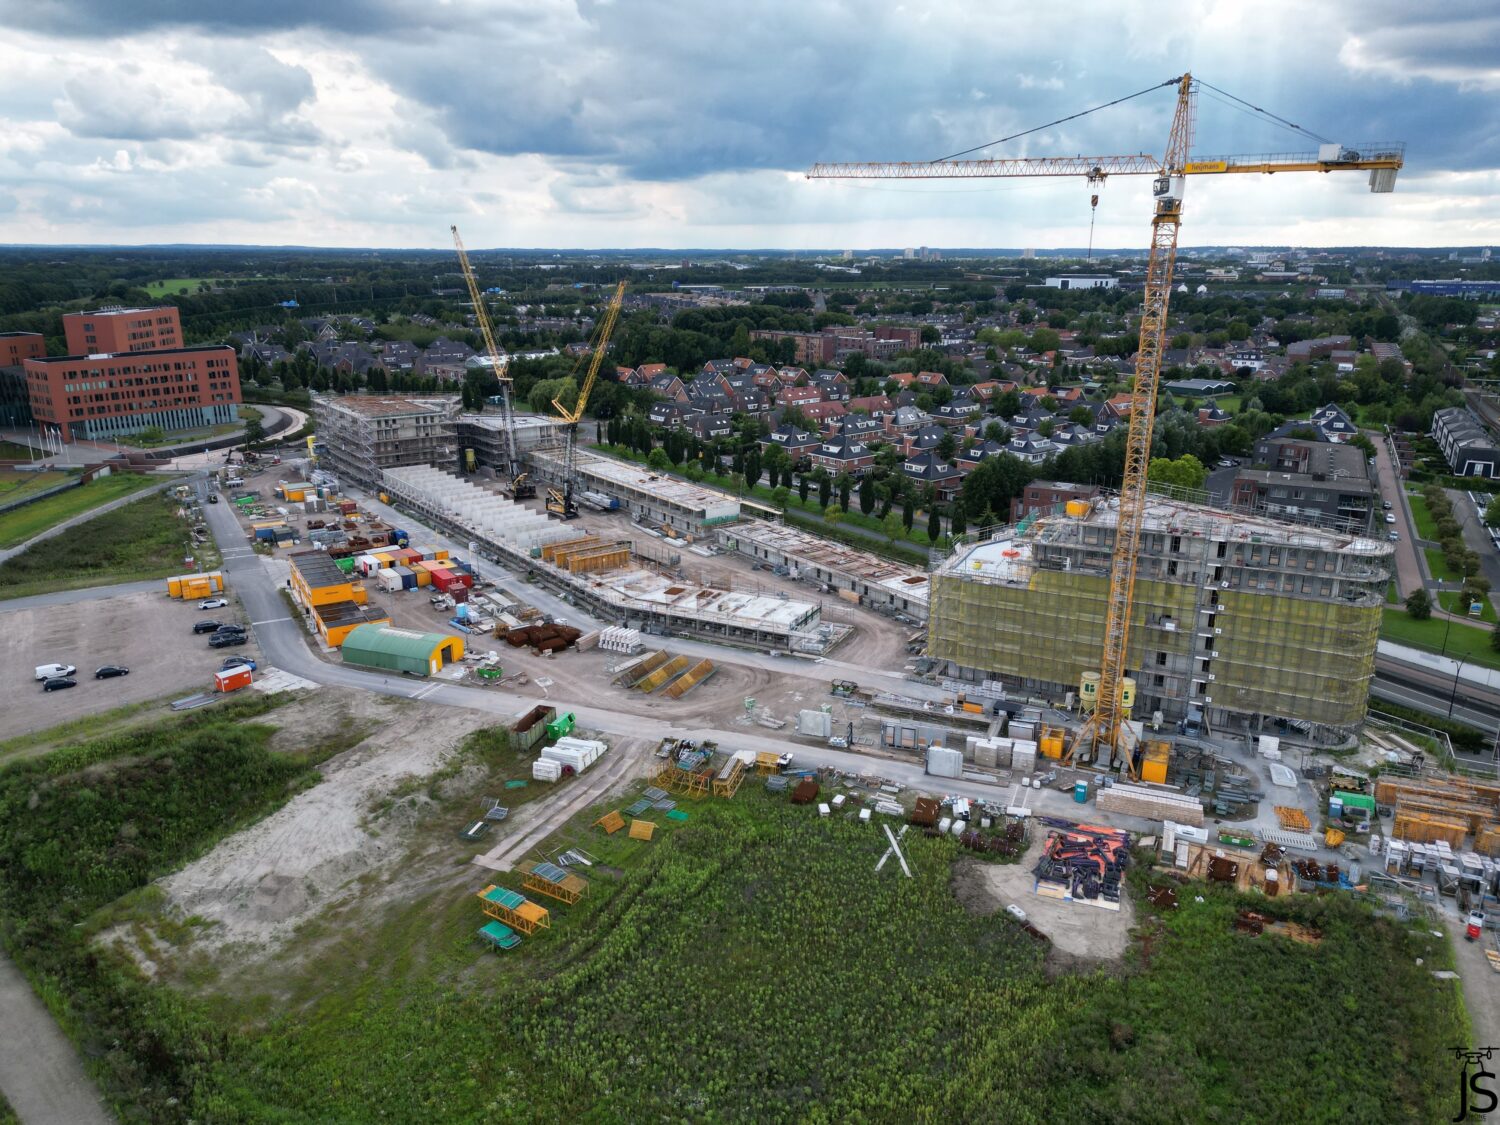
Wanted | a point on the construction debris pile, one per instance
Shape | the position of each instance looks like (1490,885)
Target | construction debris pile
(1083,863)
(1219,783)
(543,638)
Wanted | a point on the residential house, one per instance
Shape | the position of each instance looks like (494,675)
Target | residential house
(1210,416)
(931,379)
(706,427)
(876,406)
(929,468)
(1031,448)
(923,438)
(968,460)
(1334,423)
(797,443)
(399,355)
(906,420)
(649,371)
(1048,497)
(1467,445)
(1304,351)
(902,379)
(840,454)
(956,411)
(799,397)
(669,387)
(861,426)
(667,413)
(821,412)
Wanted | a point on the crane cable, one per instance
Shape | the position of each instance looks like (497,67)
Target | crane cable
(1060,120)
(1265,112)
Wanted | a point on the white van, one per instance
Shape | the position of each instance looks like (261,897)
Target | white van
(50,671)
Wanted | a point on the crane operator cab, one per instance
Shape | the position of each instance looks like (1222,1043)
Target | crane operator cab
(1167,191)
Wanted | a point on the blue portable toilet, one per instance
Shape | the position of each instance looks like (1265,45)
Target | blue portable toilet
(1081,792)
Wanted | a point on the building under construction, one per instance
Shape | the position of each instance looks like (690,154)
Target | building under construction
(363,435)
(1237,620)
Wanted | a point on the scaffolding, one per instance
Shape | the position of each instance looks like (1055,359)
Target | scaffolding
(362,436)
(1237,616)
(514,909)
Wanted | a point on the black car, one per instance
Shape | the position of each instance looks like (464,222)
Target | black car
(207,626)
(226,640)
(57,683)
(229,629)
(236,662)
(110,671)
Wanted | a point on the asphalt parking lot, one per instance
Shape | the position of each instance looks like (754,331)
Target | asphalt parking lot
(148,633)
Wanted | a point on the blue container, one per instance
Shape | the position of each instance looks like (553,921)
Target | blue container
(1081,792)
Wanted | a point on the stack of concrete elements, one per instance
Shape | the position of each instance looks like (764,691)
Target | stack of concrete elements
(616,638)
(990,753)
(1022,755)
(1151,803)
(477,508)
(579,753)
(943,762)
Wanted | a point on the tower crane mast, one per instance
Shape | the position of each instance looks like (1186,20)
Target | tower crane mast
(520,488)
(560,500)
(1107,731)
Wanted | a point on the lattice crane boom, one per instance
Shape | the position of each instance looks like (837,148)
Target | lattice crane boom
(500,364)
(1108,726)
(560,500)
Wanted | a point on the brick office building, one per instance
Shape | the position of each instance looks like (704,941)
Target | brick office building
(15,348)
(103,395)
(115,330)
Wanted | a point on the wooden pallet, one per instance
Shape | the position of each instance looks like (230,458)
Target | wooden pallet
(1292,819)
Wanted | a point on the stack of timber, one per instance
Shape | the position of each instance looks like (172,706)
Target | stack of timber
(1150,803)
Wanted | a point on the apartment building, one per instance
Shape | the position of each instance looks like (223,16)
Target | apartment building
(363,435)
(104,395)
(114,329)
(1238,620)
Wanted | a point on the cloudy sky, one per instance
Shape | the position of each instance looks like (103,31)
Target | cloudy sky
(688,123)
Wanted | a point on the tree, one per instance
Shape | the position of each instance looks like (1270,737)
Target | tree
(825,489)
(947,446)
(1492,512)
(802,485)
(254,431)
(659,461)
(908,513)
(833,513)
(891,525)
(1419,605)
(1363,444)
(779,495)
(934,524)
(866,494)
(1184,472)
(752,466)
(956,521)
(845,484)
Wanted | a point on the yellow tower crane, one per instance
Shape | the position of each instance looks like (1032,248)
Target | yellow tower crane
(520,482)
(1107,730)
(560,500)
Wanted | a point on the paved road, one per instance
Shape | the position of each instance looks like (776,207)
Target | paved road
(40,1073)
(89,594)
(1411,570)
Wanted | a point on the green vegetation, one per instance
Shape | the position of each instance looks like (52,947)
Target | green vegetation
(1439,567)
(145,539)
(1464,642)
(23,523)
(85,726)
(1426,526)
(177,286)
(1455,602)
(746,964)
(16,483)
(12,451)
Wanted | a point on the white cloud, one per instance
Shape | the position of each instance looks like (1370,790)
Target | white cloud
(673,123)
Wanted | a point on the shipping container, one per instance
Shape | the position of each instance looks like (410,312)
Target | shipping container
(408,579)
(232,679)
(389,580)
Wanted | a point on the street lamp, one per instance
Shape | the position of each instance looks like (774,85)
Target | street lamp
(1453,695)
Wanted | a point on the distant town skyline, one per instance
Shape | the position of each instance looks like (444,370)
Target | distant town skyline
(653,124)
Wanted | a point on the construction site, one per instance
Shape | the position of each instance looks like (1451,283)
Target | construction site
(1236,621)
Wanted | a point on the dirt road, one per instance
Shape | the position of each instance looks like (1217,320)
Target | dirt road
(40,1073)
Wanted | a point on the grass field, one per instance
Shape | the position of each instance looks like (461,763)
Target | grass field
(177,437)
(145,539)
(13,451)
(24,523)
(748,965)
(1470,643)
(172,286)
(1422,517)
(15,483)
(1454,602)
(1439,567)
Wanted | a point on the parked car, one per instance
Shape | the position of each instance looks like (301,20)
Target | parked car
(1386,504)
(57,683)
(1390,518)
(207,626)
(227,640)
(213,603)
(230,629)
(110,671)
(237,661)
(52,671)
(213,497)
(1394,537)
